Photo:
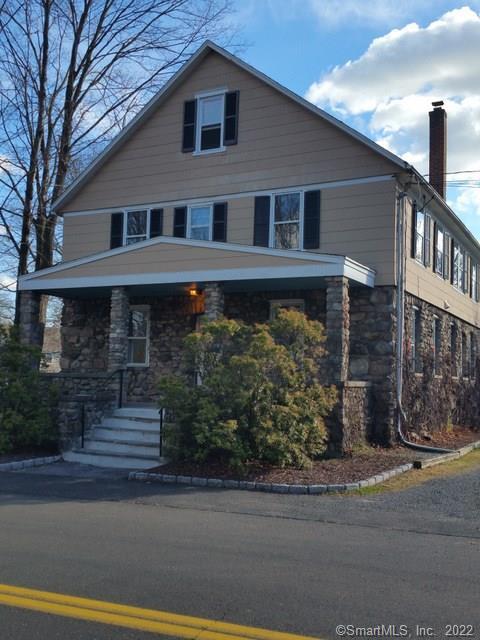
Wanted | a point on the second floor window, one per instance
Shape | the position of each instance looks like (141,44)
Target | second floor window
(200,223)
(439,256)
(287,221)
(458,267)
(422,224)
(136,226)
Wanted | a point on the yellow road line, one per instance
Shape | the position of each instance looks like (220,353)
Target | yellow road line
(151,620)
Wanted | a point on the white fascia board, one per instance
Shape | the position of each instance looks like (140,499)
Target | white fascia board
(293,255)
(349,182)
(175,79)
(352,271)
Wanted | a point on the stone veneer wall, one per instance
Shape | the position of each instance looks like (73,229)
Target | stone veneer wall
(171,320)
(372,354)
(431,401)
(84,335)
(255,307)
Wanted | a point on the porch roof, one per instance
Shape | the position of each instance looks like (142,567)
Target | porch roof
(166,264)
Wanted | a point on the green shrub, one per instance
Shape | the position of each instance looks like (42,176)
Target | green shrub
(25,401)
(259,398)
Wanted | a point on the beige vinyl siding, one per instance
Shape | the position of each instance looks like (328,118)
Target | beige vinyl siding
(424,283)
(359,222)
(85,235)
(279,144)
(170,258)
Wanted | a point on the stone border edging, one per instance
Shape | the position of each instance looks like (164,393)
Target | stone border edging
(313,489)
(31,462)
(446,457)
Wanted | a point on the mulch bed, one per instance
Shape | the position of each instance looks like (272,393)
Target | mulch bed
(365,463)
(27,454)
(361,466)
(455,438)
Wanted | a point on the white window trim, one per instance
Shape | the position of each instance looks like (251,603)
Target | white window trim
(198,129)
(125,224)
(460,287)
(285,303)
(137,365)
(189,219)
(283,192)
(415,232)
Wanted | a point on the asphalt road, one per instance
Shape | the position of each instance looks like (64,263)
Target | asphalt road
(300,564)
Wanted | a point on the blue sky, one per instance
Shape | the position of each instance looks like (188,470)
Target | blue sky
(378,64)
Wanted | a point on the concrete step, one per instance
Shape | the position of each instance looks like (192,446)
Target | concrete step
(113,461)
(140,424)
(147,413)
(138,436)
(121,447)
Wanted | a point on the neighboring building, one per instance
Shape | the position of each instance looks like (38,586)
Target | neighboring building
(228,194)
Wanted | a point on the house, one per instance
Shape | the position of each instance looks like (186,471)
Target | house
(228,194)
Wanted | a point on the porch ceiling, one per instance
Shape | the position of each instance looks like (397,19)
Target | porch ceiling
(167,265)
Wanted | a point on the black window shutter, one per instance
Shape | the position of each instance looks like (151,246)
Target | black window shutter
(189,117)
(116,230)
(452,261)
(414,230)
(311,220)
(180,222)
(230,135)
(220,210)
(261,225)
(156,223)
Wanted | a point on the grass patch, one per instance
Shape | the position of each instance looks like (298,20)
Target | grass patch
(420,476)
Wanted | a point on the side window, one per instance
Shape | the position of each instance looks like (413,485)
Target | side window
(439,253)
(453,350)
(419,237)
(437,345)
(138,335)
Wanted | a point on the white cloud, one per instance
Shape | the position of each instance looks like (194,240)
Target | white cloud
(393,83)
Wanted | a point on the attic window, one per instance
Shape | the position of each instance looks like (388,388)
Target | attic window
(210,123)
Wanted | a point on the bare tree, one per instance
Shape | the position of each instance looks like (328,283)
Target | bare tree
(72,73)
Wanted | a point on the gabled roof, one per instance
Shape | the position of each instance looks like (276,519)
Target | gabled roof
(174,82)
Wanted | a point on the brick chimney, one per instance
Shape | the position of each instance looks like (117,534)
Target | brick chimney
(438,148)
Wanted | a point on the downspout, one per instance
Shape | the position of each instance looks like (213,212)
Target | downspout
(400,312)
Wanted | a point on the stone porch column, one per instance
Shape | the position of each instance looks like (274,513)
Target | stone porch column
(31,331)
(117,339)
(338,328)
(214,300)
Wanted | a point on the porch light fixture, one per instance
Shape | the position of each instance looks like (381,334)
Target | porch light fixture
(193,292)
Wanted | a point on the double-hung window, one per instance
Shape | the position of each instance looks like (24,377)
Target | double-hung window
(137,225)
(200,222)
(458,266)
(287,221)
(422,237)
(138,335)
(210,122)
(439,256)
(276,305)
(473,356)
(419,242)
(453,350)
(474,292)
